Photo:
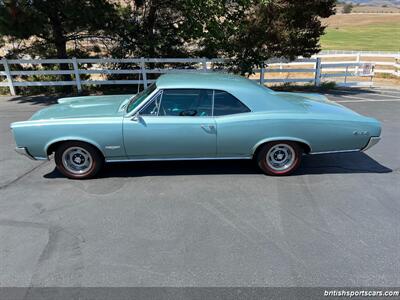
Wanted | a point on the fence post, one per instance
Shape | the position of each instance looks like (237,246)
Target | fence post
(143,68)
(77,75)
(9,77)
(397,61)
(204,63)
(358,61)
(317,79)
(262,71)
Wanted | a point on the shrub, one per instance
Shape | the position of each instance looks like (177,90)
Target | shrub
(347,8)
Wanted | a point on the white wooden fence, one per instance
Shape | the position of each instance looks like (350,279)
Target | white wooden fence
(316,70)
(386,62)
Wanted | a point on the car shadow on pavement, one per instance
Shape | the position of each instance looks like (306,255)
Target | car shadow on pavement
(313,164)
(340,163)
(35,100)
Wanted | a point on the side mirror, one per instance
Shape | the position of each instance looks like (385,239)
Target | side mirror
(136,117)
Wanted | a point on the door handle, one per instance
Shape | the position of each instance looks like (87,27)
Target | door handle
(209,127)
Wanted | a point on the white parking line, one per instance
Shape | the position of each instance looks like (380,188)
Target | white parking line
(377,92)
(387,90)
(386,94)
(363,99)
(367,100)
(347,92)
(355,97)
(372,95)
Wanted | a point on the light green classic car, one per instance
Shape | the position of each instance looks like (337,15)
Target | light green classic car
(193,116)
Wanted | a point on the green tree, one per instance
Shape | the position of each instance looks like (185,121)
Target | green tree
(347,8)
(245,31)
(51,24)
(44,28)
(153,28)
(261,29)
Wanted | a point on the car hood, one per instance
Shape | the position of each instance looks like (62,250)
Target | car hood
(84,107)
(312,103)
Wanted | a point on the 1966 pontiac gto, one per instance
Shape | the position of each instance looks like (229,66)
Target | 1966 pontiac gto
(193,116)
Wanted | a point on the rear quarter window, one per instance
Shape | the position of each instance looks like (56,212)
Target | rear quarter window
(227,104)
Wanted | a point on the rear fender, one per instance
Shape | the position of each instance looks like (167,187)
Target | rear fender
(281,138)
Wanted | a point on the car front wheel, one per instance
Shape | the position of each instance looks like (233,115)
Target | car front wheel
(279,158)
(78,160)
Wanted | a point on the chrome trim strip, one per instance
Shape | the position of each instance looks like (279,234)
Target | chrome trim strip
(178,159)
(41,158)
(336,151)
(23,151)
(373,140)
(112,147)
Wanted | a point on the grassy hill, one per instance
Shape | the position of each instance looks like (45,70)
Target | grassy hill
(362,32)
(376,2)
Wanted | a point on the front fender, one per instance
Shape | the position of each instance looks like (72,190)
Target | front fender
(73,138)
(103,133)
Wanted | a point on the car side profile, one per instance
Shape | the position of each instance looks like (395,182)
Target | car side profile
(190,116)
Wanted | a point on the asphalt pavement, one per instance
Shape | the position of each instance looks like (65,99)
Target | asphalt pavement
(336,222)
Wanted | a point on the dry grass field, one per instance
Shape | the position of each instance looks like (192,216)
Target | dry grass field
(372,9)
(362,32)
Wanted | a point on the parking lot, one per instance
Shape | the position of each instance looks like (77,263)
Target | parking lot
(336,222)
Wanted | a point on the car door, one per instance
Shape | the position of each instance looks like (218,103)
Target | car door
(175,123)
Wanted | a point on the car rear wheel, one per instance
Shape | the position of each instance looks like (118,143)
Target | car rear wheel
(78,160)
(279,158)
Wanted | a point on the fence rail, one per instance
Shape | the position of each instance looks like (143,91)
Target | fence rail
(326,65)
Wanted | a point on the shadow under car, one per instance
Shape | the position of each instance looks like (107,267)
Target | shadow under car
(339,163)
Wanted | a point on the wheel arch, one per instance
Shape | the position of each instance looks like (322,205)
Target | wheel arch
(52,145)
(304,144)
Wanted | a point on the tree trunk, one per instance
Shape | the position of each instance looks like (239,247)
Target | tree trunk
(61,47)
(60,43)
(150,24)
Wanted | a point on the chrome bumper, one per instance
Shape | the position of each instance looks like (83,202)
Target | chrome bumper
(24,151)
(373,140)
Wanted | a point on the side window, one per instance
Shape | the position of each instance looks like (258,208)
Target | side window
(186,102)
(153,107)
(226,104)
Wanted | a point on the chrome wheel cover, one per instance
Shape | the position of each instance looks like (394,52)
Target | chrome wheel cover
(77,160)
(280,157)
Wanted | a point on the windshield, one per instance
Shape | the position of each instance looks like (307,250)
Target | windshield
(139,98)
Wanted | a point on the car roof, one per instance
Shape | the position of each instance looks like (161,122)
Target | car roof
(204,80)
(252,94)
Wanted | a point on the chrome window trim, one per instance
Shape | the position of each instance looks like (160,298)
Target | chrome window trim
(212,103)
(149,102)
(157,90)
(150,116)
(162,91)
(144,102)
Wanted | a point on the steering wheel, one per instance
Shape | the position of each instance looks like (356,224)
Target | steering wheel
(188,113)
